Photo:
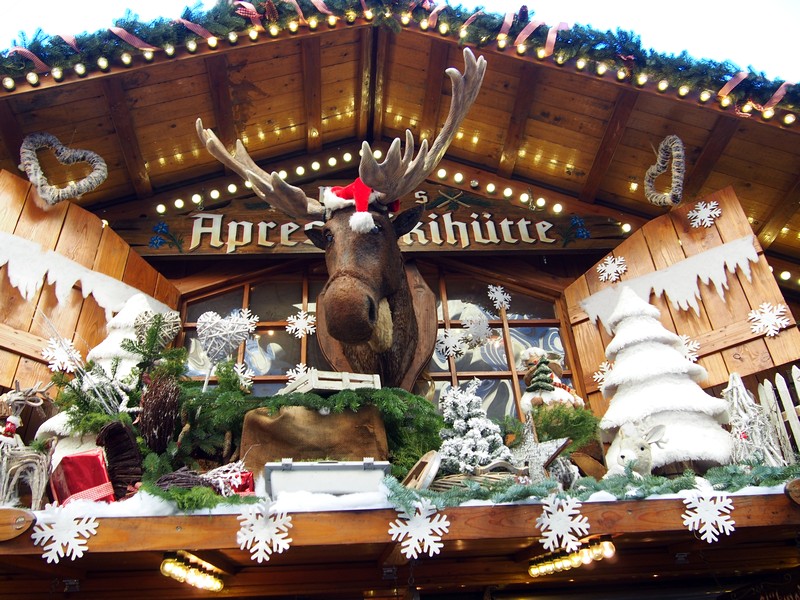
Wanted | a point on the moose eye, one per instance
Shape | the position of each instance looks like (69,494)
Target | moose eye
(328,235)
(376,229)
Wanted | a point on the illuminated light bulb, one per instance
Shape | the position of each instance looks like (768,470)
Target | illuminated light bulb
(502,40)
(148,55)
(663,85)
(247,184)
(541,53)
(233,37)
(585,556)
(178,203)
(300,170)
(214,194)
(575,559)
(596,551)
(789,118)
(58,75)
(350,17)
(705,96)
(191,46)
(508,192)
(293,27)
(232,189)
(490,187)
(332,161)
(283,174)
(102,63)
(369,15)
(32,78)
(474,184)
(533,571)
(423,24)
(580,64)
(524,197)
(641,79)
(768,113)
(444,28)
(405,19)
(540,202)
(634,186)
(785,275)
(522,49)
(212,42)
(169,50)
(347,157)
(608,548)
(462,32)
(557,208)
(621,74)
(748,107)
(8,83)
(80,69)
(331,20)
(274,30)
(252,33)
(560,59)
(441,173)
(626,227)
(103,223)
(725,101)
(197,198)
(458,177)
(313,22)
(601,68)
(161,209)
(377,154)
(315,166)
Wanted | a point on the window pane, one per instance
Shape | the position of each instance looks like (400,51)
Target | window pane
(314,288)
(467,297)
(489,356)
(197,362)
(276,301)
(526,307)
(315,357)
(272,352)
(223,305)
(547,338)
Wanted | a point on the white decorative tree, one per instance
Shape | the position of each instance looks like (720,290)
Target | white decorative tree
(653,383)
(471,439)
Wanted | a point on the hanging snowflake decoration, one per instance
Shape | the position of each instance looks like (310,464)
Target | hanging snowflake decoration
(709,514)
(263,533)
(420,532)
(477,330)
(245,375)
(499,297)
(62,355)
(450,343)
(768,319)
(611,268)
(220,337)
(690,348)
(60,534)
(301,324)
(704,214)
(602,372)
(561,524)
(300,370)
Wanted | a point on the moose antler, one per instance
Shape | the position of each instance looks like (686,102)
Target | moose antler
(270,187)
(398,175)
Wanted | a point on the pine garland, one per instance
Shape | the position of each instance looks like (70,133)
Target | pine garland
(618,49)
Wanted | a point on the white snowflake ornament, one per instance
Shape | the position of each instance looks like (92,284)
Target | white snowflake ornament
(602,372)
(301,324)
(299,370)
(450,343)
(612,268)
(709,514)
(768,319)
(62,355)
(499,297)
(690,348)
(476,329)
(420,532)
(704,214)
(61,534)
(562,524)
(263,533)
(245,375)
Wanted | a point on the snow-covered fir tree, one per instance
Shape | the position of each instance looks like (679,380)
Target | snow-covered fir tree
(653,383)
(471,439)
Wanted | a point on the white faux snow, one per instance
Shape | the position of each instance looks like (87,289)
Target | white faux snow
(62,534)
(768,319)
(301,324)
(679,282)
(421,532)
(709,514)
(262,531)
(499,297)
(704,214)
(561,523)
(612,268)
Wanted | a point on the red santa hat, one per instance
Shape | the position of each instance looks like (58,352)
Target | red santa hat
(357,194)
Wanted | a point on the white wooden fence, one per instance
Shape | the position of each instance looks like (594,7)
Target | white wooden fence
(780,404)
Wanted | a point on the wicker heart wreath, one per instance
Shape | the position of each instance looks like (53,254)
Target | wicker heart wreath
(671,146)
(169,324)
(219,337)
(29,162)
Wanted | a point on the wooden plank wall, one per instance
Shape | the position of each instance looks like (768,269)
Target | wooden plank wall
(727,343)
(80,236)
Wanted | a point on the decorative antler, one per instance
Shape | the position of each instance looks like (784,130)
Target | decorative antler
(270,187)
(398,175)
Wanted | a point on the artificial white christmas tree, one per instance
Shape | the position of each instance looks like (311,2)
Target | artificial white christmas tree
(653,383)
(471,439)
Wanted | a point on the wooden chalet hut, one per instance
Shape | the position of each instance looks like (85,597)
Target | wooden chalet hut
(542,186)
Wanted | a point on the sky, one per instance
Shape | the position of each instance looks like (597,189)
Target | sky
(746,33)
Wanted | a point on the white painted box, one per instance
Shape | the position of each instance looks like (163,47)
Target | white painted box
(325,477)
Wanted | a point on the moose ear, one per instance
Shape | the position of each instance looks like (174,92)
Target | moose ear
(316,237)
(407,220)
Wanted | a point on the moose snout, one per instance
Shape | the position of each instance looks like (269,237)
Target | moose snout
(351,310)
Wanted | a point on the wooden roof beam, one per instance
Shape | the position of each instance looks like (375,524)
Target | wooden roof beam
(312,91)
(528,81)
(220,90)
(783,212)
(437,63)
(379,89)
(365,83)
(126,134)
(623,107)
(719,138)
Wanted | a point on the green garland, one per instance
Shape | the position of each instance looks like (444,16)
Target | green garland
(619,50)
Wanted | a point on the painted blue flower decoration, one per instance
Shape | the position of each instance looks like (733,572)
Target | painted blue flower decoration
(162,229)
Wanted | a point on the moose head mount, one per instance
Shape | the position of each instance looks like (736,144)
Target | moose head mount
(367,304)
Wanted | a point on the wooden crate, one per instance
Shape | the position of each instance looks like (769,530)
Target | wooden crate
(330,382)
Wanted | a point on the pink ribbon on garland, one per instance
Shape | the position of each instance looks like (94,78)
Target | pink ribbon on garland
(434,16)
(507,22)
(131,39)
(71,41)
(364,6)
(777,96)
(732,83)
(320,6)
(195,28)
(297,9)
(37,62)
(527,31)
(248,11)
(550,43)
(472,18)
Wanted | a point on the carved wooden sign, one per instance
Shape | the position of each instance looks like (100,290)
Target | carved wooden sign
(454,221)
